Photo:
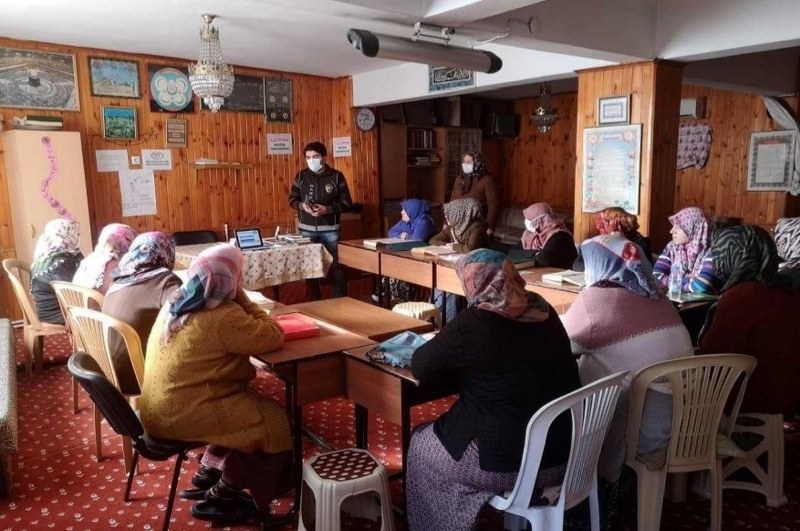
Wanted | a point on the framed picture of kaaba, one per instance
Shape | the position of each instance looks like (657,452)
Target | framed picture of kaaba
(278,99)
(247,95)
(170,90)
(38,80)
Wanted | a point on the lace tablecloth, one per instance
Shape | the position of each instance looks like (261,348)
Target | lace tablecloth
(269,267)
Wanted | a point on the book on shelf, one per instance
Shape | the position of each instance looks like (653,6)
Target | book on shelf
(570,277)
(46,119)
(295,327)
(434,250)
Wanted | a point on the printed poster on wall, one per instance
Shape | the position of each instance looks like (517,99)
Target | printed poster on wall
(342,146)
(157,159)
(611,167)
(138,191)
(279,144)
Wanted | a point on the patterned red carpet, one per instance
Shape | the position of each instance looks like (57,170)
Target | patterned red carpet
(59,485)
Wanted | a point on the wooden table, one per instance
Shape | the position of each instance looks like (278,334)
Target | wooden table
(362,318)
(353,253)
(312,370)
(560,295)
(386,390)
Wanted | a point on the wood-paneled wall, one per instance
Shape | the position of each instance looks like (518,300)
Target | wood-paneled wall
(540,166)
(720,187)
(248,197)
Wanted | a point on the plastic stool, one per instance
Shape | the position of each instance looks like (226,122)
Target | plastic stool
(419,310)
(329,479)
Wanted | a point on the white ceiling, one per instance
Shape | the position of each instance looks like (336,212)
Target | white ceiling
(309,36)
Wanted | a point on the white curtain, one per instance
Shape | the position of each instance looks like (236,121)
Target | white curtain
(783,116)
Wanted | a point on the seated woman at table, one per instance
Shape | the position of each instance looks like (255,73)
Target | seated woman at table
(474,450)
(688,248)
(464,230)
(56,257)
(416,223)
(546,236)
(95,270)
(757,314)
(142,282)
(622,321)
(787,240)
(197,372)
(616,219)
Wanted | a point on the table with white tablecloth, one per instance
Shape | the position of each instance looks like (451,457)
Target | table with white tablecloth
(269,267)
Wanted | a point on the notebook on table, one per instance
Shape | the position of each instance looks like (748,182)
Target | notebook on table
(570,277)
(393,244)
(434,250)
(522,258)
(296,328)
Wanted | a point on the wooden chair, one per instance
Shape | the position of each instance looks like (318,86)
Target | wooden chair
(592,408)
(700,389)
(19,273)
(96,330)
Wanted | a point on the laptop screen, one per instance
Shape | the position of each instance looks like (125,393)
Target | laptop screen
(248,238)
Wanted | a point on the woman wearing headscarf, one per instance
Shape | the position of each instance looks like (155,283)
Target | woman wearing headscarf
(197,372)
(688,248)
(547,238)
(474,450)
(621,321)
(142,282)
(464,230)
(56,257)
(787,240)
(95,270)
(416,222)
(757,314)
(475,182)
(616,219)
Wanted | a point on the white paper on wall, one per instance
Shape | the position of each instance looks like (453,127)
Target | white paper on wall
(138,191)
(157,159)
(111,159)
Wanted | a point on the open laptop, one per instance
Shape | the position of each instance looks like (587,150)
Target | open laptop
(249,239)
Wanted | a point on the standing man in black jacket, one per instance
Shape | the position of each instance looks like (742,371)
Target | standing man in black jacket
(320,194)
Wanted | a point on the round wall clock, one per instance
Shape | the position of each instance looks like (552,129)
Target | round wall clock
(171,89)
(365,119)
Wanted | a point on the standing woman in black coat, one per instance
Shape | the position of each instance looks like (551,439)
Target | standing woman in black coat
(473,451)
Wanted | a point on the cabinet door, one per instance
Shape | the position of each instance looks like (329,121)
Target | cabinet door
(393,161)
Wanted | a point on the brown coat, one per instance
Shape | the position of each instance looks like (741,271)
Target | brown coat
(475,237)
(484,190)
(196,387)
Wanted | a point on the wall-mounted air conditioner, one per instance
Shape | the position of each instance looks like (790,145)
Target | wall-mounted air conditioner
(693,107)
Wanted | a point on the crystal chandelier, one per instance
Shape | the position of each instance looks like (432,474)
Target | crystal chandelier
(211,76)
(545,115)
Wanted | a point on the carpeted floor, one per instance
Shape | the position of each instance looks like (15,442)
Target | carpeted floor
(59,485)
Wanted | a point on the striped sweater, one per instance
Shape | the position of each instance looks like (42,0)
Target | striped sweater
(706,280)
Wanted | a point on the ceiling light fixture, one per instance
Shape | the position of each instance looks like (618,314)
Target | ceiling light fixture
(429,53)
(211,77)
(545,115)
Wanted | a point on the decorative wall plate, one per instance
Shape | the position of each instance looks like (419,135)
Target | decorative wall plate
(171,89)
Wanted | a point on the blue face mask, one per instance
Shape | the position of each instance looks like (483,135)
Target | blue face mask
(314,164)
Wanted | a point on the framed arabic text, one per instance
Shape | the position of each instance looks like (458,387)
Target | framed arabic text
(447,78)
(611,167)
(771,161)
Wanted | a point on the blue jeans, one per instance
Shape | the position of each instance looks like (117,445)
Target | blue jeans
(330,240)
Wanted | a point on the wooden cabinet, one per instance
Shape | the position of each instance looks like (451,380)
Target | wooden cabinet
(27,166)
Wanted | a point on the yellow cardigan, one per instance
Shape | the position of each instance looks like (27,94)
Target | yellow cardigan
(195,387)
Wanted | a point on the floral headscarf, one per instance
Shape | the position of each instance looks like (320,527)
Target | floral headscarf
(214,277)
(113,242)
(478,171)
(787,240)
(616,219)
(694,223)
(744,252)
(61,237)
(151,254)
(613,258)
(491,282)
(544,222)
(460,213)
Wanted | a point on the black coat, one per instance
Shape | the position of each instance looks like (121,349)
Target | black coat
(505,371)
(559,251)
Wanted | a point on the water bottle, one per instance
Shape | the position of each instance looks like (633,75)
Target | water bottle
(675,282)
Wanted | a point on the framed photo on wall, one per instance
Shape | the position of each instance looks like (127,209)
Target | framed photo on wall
(115,78)
(771,161)
(614,110)
(38,80)
(611,167)
(119,123)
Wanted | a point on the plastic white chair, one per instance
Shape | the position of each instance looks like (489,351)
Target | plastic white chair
(592,409)
(33,330)
(96,330)
(700,389)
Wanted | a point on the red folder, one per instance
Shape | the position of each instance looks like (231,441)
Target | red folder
(296,328)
